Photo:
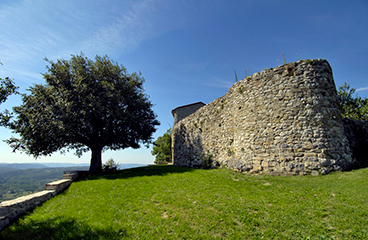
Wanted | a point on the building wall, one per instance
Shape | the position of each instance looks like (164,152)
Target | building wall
(184,111)
(283,120)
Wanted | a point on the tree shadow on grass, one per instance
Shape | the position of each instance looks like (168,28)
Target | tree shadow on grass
(59,228)
(152,170)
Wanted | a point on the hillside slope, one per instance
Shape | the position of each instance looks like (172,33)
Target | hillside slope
(167,202)
(16,183)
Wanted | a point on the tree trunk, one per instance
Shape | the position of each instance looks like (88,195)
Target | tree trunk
(96,160)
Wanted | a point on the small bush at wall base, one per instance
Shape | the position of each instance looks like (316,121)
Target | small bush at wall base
(207,161)
(110,164)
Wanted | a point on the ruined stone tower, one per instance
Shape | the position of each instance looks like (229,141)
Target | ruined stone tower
(283,120)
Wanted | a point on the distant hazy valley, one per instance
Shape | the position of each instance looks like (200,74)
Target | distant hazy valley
(19,179)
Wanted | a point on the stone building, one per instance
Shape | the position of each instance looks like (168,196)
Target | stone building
(184,111)
(284,120)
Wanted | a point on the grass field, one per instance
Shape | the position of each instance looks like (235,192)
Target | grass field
(167,202)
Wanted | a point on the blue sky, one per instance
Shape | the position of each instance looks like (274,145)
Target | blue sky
(187,50)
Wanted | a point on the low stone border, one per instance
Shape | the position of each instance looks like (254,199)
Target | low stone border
(13,209)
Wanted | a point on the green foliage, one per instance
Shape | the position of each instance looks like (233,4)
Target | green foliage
(84,105)
(168,202)
(207,161)
(111,164)
(7,88)
(350,106)
(162,148)
(230,152)
(283,58)
(223,100)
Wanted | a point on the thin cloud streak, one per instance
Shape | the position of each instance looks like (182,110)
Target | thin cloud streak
(362,89)
(50,29)
(58,30)
(140,23)
(37,23)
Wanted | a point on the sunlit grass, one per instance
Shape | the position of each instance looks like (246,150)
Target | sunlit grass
(167,202)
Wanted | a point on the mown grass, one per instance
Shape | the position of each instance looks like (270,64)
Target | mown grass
(167,202)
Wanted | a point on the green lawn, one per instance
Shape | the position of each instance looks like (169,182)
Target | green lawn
(167,202)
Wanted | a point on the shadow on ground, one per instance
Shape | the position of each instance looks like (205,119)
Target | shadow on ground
(59,228)
(153,170)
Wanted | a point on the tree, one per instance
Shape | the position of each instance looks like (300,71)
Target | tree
(162,148)
(7,88)
(84,105)
(111,164)
(350,106)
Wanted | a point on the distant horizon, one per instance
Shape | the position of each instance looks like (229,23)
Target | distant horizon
(58,162)
(25,166)
(133,156)
(66,163)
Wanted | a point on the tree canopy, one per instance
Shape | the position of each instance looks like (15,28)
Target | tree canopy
(84,105)
(7,88)
(162,148)
(350,106)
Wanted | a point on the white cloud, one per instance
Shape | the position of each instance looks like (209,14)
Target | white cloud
(140,21)
(362,89)
(40,28)
(33,30)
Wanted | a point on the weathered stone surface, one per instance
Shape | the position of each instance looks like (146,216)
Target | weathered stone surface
(59,185)
(12,209)
(279,121)
(71,176)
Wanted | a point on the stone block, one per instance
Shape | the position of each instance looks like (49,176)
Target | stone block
(315,173)
(70,176)
(59,185)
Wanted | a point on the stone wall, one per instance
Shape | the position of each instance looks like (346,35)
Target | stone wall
(12,209)
(283,120)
